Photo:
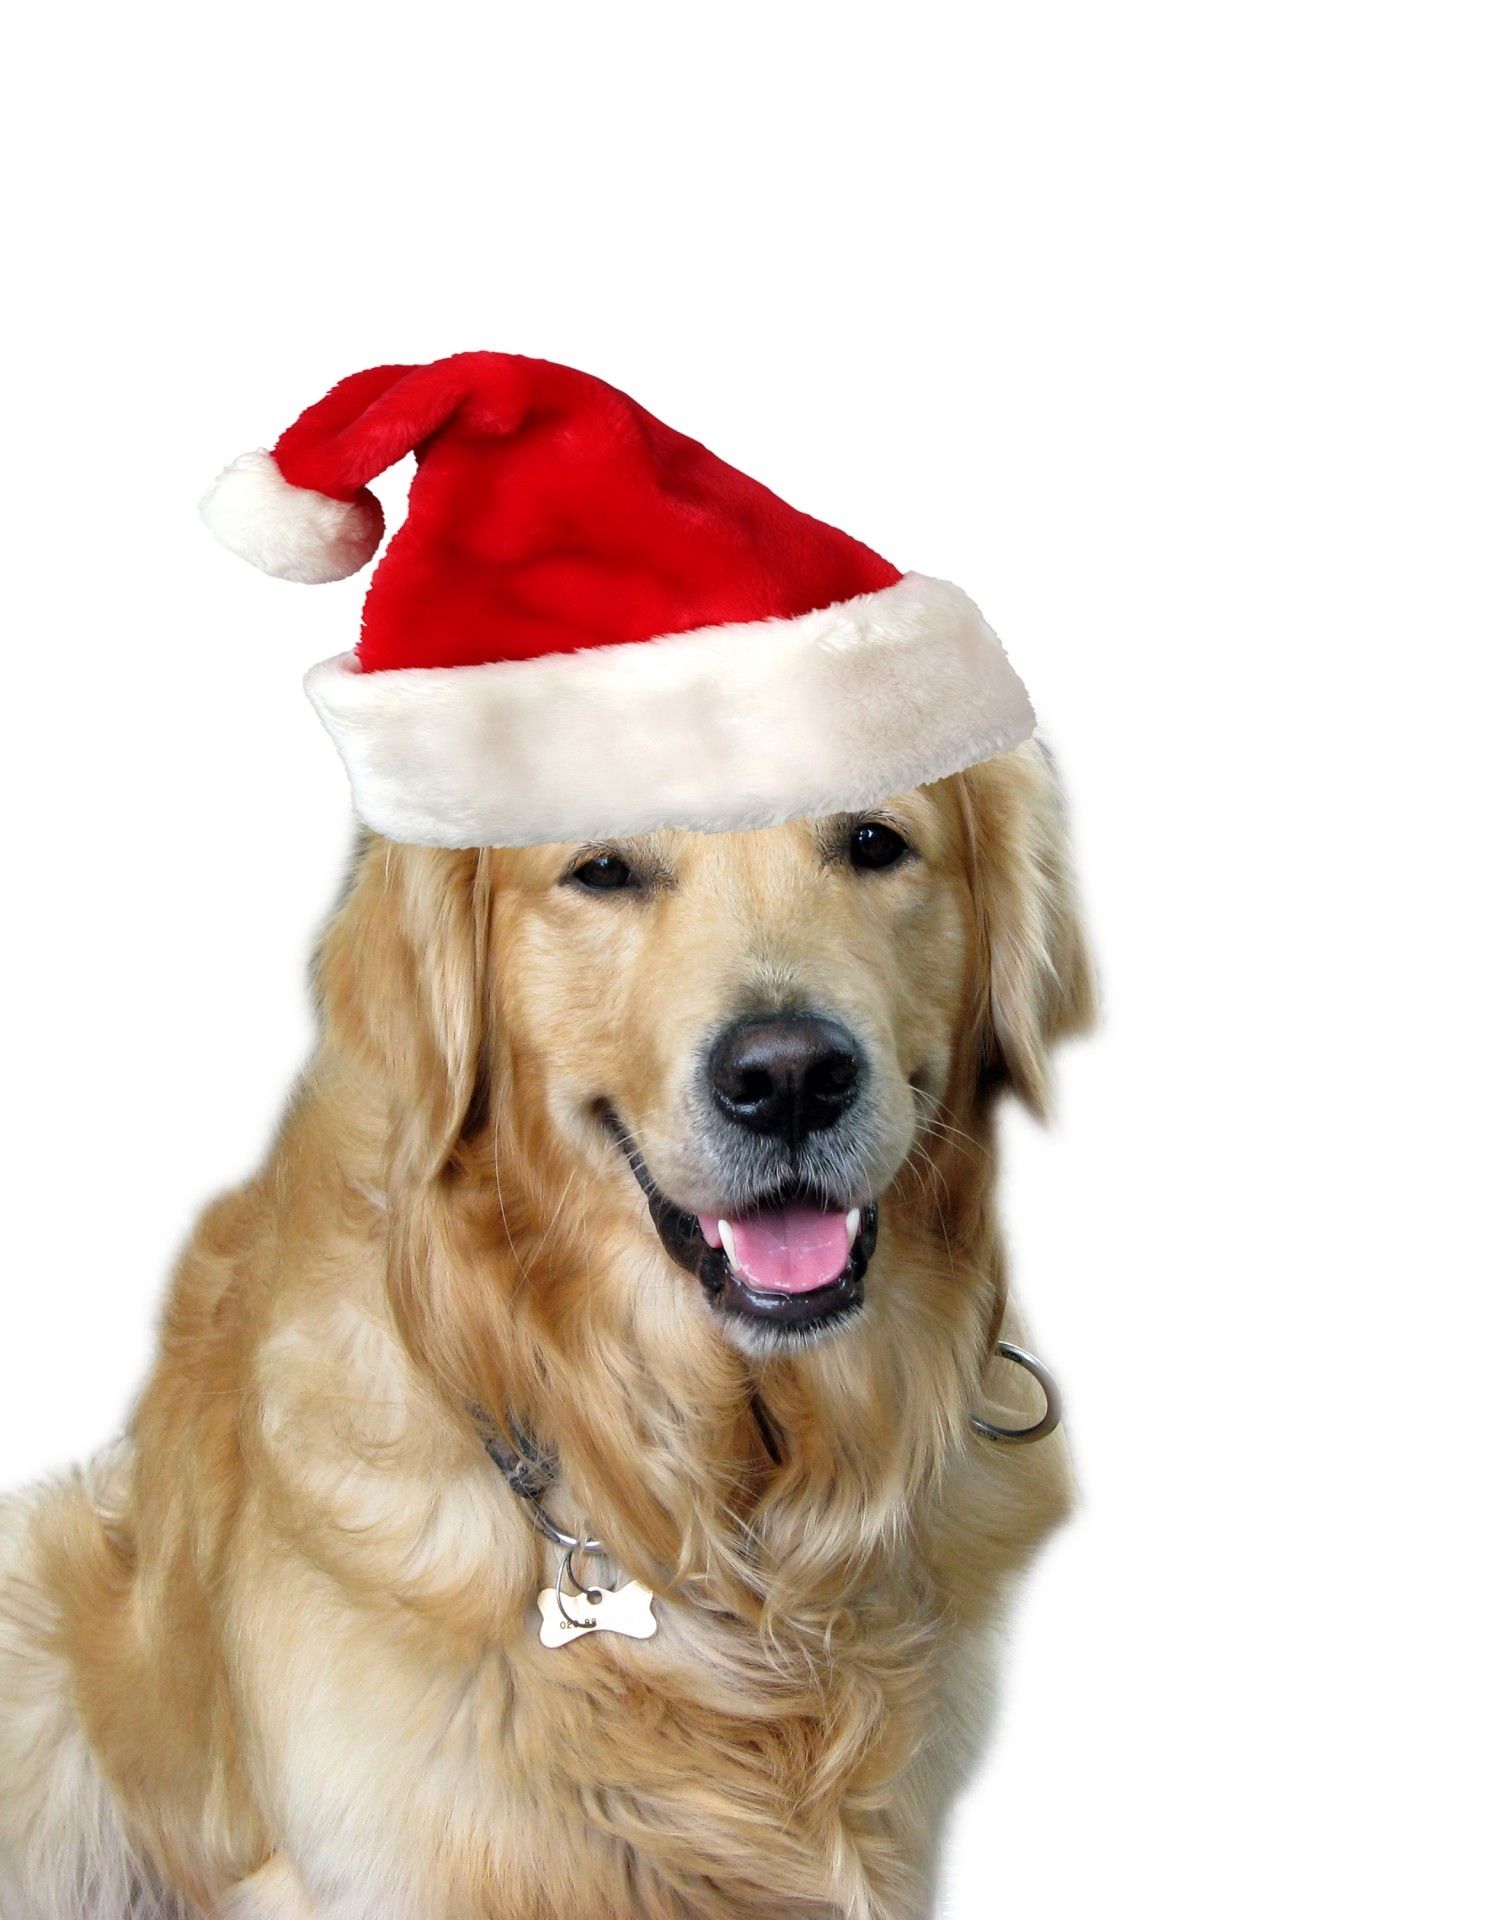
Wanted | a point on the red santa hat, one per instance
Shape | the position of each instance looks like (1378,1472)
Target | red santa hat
(589,625)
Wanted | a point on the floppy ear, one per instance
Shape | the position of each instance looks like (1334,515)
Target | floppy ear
(401,975)
(1034,979)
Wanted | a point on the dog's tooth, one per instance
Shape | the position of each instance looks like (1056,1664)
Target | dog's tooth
(726,1235)
(854,1221)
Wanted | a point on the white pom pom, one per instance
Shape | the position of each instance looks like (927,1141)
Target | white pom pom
(290,532)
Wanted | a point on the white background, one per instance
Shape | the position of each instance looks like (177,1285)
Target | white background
(1158,327)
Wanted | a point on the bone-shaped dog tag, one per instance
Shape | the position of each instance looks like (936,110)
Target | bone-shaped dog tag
(627,1610)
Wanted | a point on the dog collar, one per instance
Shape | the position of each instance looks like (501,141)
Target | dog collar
(530,1473)
(571,1609)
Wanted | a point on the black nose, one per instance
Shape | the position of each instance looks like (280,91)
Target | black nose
(788,1076)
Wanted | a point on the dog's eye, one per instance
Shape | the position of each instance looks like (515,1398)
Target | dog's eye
(872,845)
(603,873)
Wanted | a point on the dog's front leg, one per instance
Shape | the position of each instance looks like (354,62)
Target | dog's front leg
(275,1892)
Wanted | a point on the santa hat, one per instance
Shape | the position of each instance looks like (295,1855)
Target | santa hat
(590,626)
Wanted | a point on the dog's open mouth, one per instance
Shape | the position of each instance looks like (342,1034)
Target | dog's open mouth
(789,1260)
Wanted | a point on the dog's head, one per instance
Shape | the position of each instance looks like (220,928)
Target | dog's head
(783,1042)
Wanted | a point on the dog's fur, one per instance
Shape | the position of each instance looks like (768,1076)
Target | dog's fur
(276,1655)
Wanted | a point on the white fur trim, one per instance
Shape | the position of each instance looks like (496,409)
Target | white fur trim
(291,532)
(724,727)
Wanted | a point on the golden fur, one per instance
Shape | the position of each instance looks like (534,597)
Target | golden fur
(276,1654)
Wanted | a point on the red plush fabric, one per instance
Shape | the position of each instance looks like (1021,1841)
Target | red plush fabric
(550,513)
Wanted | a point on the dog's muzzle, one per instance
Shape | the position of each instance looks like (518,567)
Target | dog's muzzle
(790,1260)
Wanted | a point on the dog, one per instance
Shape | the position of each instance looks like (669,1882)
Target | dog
(666,1167)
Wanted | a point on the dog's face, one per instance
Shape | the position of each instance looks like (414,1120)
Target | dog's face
(767,1026)
(760,1023)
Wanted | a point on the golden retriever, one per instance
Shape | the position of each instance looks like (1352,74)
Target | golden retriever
(669,1165)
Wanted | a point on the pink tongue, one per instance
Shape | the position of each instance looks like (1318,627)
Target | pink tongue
(794,1250)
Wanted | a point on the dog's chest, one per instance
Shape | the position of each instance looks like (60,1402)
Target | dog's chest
(697,1760)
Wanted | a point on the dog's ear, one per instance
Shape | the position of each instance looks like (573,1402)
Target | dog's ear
(402,984)
(1034,982)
